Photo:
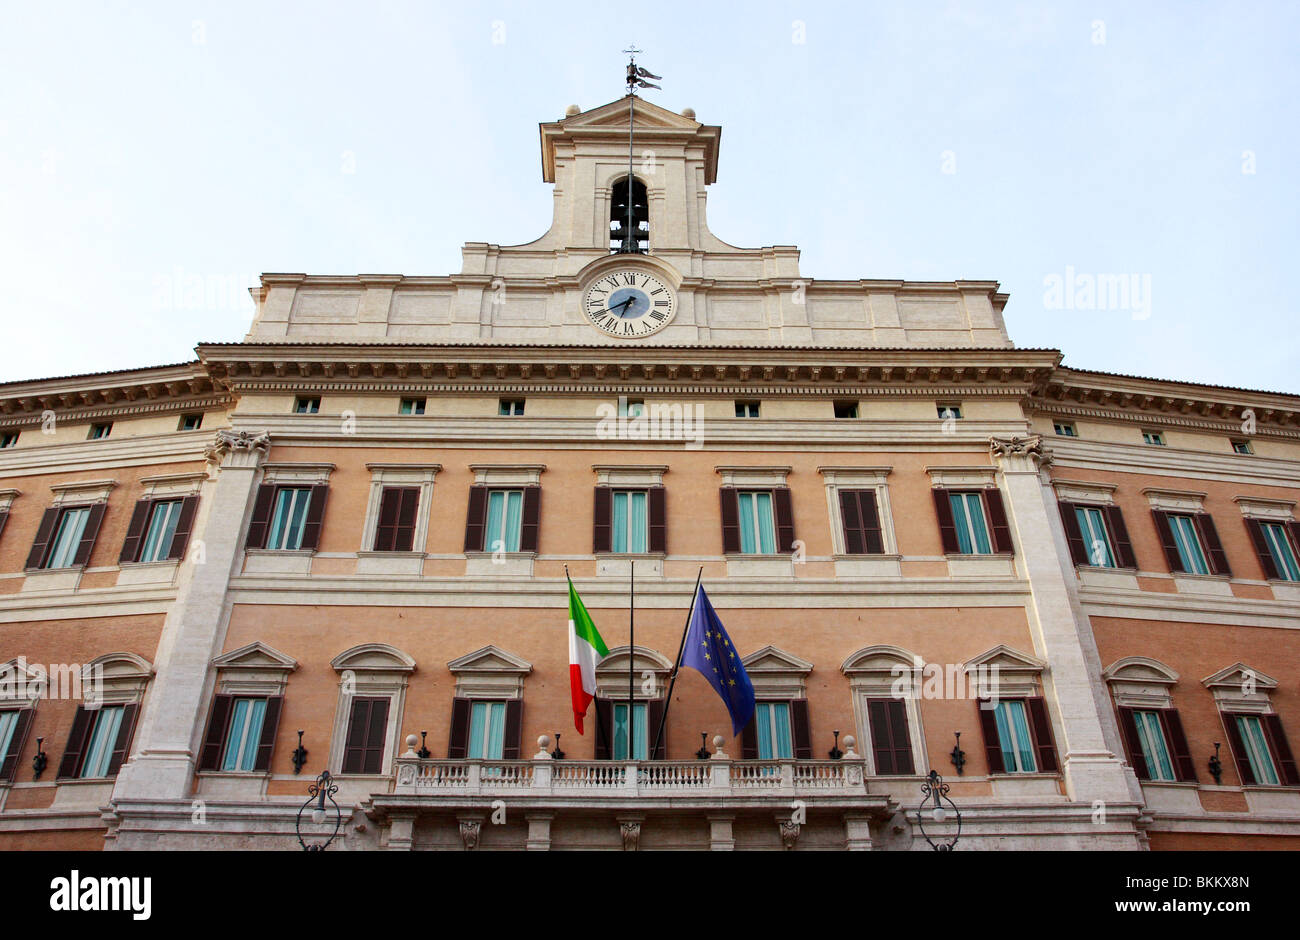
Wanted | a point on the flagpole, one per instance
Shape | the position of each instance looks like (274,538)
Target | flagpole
(677,662)
(631,657)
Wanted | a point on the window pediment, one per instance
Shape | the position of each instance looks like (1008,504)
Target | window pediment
(375,658)
(1240,688)
(1140,682)
(115,678)
(777,673)
(489,672)
(254,669)
(647,664)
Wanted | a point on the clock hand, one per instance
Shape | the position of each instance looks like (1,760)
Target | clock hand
(623,304)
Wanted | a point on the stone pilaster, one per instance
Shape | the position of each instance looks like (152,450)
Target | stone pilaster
(168,737)
(1062,636)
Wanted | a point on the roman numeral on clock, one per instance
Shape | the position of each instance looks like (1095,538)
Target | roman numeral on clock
(659,315)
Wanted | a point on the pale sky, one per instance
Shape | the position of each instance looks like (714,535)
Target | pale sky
(156,157)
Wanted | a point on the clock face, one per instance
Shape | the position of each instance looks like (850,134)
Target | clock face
(629,303)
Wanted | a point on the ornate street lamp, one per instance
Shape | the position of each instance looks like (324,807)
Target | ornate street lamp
(935,792)
(318,791)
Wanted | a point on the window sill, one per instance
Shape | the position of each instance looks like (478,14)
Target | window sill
(868,566)
(499,564)
(1218,584)
(53,579)
(148,572)
(981,566)
(273,561)
(390,563)
(760,566)
(1095,576)
(619,564)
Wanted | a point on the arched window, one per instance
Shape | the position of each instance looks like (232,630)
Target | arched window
(620,240)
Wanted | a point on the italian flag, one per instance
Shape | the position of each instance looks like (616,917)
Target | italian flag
(585,649)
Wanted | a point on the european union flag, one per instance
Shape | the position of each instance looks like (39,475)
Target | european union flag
(709,650)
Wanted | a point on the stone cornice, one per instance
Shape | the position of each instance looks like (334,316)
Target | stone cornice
(110,394)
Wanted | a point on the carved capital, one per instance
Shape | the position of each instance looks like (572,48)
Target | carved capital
(1028,451)
(789,832)
(238,448)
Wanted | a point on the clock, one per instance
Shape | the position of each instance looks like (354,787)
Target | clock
(629,303)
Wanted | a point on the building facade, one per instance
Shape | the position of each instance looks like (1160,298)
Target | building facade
(342,544)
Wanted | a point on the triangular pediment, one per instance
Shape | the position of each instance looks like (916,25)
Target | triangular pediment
(1239,676)
(772,660)
(614,114)
(490,659)
(1007,660)
(255,656)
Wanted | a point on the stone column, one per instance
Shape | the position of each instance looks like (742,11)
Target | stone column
(401,832)
(720,836)
(1061,633)
(168,737)
(539,831)
(857,832)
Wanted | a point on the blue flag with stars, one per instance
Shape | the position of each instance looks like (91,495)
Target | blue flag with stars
(710,651)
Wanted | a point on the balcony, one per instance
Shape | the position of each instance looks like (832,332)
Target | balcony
(717,803)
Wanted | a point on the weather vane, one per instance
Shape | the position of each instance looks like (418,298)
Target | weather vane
(636,78)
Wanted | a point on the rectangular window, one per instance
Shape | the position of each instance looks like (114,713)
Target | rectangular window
(1096,540)
(99,749)
(1242,447)
(639,747)
(1188,542)
(1155,751)
(631,407)
(72,525)
(968,516)
(160,530)
(757,527)
(306,406)
(240,750)
(504,520)
(191,422)
(289,518)
(746,409)
(367,731)
(1255,743)
(891,742)
(949,411)
(395,527)
(1014,738)
(487,730)
(411,406)
(1153,437)
(511,406)
(628,530)
(1064,430)
(8,439)
(772,720)
(846,409)
(1279,547)
(98,431)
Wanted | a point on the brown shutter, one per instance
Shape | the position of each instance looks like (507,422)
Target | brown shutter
(215,738)
(458,736)
(947,527)
(1294,529)
(270,724)
(9,760)
(654,713)
(800,729)
(125,732)
(528,532)
(354,749)
(1073,534)
(992,743)
(1213,547)
(4,517)
(44,532)
(260,524)
(854,543)
(513,733)
(184,526)
(1120,542)
(783,512)
(406,513)
(882,739)
(730,520)
(657,510)
(390,498)
(870,512)
(88,535)
(135,532)
(71,761)
(1256,530)
(1167,540)
(749,739)
(604,729)
(476,519)
(998,526)
(315,513)
(1184,768)
(1042,728)
(1132,743)
(901,739)
(1286,764)
(373,760)
(1238,750)
(602,511)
